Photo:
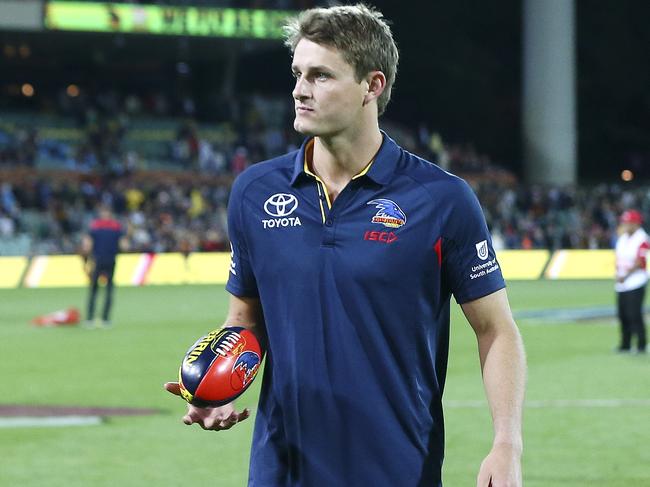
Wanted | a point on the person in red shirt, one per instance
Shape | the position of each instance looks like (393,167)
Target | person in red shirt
(631,279)
(100,247)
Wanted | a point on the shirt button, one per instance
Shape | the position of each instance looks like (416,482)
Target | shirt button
(328,222)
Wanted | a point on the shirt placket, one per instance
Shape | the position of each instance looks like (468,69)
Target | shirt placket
(332,211)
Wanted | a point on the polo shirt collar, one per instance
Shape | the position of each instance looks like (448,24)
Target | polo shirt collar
(380,171)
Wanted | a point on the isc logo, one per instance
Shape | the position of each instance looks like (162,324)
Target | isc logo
(385,237)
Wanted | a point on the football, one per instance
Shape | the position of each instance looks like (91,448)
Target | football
(220,366)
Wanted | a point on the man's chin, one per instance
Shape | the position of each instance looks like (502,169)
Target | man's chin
(303,128)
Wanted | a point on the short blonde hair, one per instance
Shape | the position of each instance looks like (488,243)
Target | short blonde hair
(360,33)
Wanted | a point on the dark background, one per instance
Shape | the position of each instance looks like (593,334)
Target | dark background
(459,74)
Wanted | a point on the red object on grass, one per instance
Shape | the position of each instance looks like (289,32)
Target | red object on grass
(69,316)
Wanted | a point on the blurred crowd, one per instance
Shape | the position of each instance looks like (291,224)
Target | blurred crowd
(534,217)
(118,133)
(19,146)
(182,207)
(183,212)
(161,213)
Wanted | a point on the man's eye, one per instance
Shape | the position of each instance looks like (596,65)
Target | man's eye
(295,74)
(322,76)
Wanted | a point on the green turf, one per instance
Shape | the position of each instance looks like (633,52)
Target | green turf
(127,365)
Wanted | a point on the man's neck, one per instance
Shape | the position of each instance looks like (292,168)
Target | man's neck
(336,160)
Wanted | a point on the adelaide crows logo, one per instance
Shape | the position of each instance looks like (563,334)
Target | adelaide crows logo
(245,369)
(389,214)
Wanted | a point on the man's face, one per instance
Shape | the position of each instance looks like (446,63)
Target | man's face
(627,227)
(328,99)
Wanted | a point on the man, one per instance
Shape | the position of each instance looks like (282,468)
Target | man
(100,248)
(631,279)
(345,254)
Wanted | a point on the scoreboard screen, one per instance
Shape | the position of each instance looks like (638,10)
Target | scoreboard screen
(164,20)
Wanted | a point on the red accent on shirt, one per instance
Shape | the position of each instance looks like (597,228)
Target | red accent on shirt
(438,248)
(106,224)
(642,252)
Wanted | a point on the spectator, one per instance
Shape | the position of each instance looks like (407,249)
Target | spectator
(100,247)
(631,279)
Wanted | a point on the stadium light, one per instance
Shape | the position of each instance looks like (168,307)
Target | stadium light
(25,51)
(9,51)
(27,90)
(627,175)
(72,91)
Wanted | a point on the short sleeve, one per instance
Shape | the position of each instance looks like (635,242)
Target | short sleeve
(241,279)
(469,261)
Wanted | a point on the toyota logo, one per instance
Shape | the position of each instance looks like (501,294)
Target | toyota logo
(281,204)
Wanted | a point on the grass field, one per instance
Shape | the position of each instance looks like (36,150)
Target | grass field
(586,420)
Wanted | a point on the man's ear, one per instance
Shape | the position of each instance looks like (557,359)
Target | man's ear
(376,84)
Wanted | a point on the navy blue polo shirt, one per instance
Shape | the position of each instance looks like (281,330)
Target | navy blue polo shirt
(355,295)
(105,234)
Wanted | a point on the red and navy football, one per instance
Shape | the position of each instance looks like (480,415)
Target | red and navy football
(220,366)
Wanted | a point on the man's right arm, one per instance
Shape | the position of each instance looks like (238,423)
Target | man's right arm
(245,312)
(86,245)
(123,244)
(85,250)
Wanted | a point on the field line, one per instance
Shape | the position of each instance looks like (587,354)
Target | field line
(557,403)
(48,421)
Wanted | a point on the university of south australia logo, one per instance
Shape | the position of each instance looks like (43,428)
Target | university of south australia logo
(280,206)
(389,213)
(482,249)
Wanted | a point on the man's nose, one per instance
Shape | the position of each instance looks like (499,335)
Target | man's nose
(300,90)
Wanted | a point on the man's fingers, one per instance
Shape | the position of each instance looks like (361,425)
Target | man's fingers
(236,417)
(216,423)
(230,421)
(220,424)
(195,415)
(173,387)
(209,423)
(191,418)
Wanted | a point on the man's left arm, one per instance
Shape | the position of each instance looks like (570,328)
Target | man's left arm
(85,249)
(503,365)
